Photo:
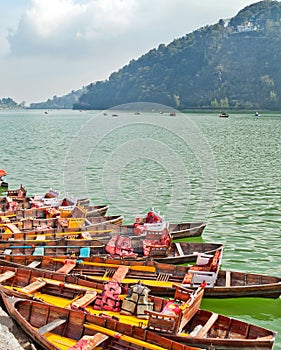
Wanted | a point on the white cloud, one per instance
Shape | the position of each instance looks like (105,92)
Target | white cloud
(63,27)
(56,27)
(55,46)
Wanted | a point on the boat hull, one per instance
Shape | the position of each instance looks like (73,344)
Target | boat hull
(49,325)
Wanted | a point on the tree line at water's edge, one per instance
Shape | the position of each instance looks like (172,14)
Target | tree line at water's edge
(9,103)
(234,64)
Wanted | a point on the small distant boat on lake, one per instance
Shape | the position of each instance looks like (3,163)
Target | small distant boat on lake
(223,115)
(257,114)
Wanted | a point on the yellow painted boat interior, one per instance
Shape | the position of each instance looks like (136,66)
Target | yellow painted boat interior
(62,302)
(60,342)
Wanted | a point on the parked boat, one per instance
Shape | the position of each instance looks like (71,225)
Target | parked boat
(73,291)
(178,252)
(210,330)
(150,274)
(55,328)
(92,221)
(96,210)
(179,319)
(187,229)
(159,277)
(63,247)
(223,115)
(3,183)
(139,248)
(177,231)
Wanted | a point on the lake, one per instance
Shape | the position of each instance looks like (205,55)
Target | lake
(190,167)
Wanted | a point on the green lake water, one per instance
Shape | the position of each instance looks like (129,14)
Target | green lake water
(192,167)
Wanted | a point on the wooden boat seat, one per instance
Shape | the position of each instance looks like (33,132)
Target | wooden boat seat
(164,277)
(85,252)
(39,251)
(40,237)
(13,228)
(204,330)
(34,286)
(75,222)
(228,279)
(7,275)
(176,314)
(85,300)
(90,342)
(120,273)
(179,249)
(68,266)
(34,264)
(157,243)
(50,326)
(204,271)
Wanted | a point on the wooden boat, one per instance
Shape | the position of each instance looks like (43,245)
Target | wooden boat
(179,319)
(96,210)
(18,194)
(187,229)
(97,220)
(159,277)
(55,328)
(213,331)
(3,183)
(63,247)
(224,115)
(33,229)
(34,219)
(132,247)
(177,231)
(75,292)
(74,218)
(28,283)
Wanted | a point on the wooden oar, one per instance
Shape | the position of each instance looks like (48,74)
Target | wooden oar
(147,282)
(124,337)
(131,267)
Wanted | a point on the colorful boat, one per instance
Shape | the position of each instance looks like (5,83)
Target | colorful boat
(55,328)
(136,249)
(159,277)
(3,183)
(178,319)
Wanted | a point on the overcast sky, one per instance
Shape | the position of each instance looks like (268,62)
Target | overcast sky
(51,47)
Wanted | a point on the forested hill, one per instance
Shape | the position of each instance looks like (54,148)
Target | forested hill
(62,102)
(232,64)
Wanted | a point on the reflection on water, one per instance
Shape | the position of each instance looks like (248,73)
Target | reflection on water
(135,162)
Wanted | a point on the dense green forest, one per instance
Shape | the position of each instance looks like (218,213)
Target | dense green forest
(62,102)
(232,64)
(9,103)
